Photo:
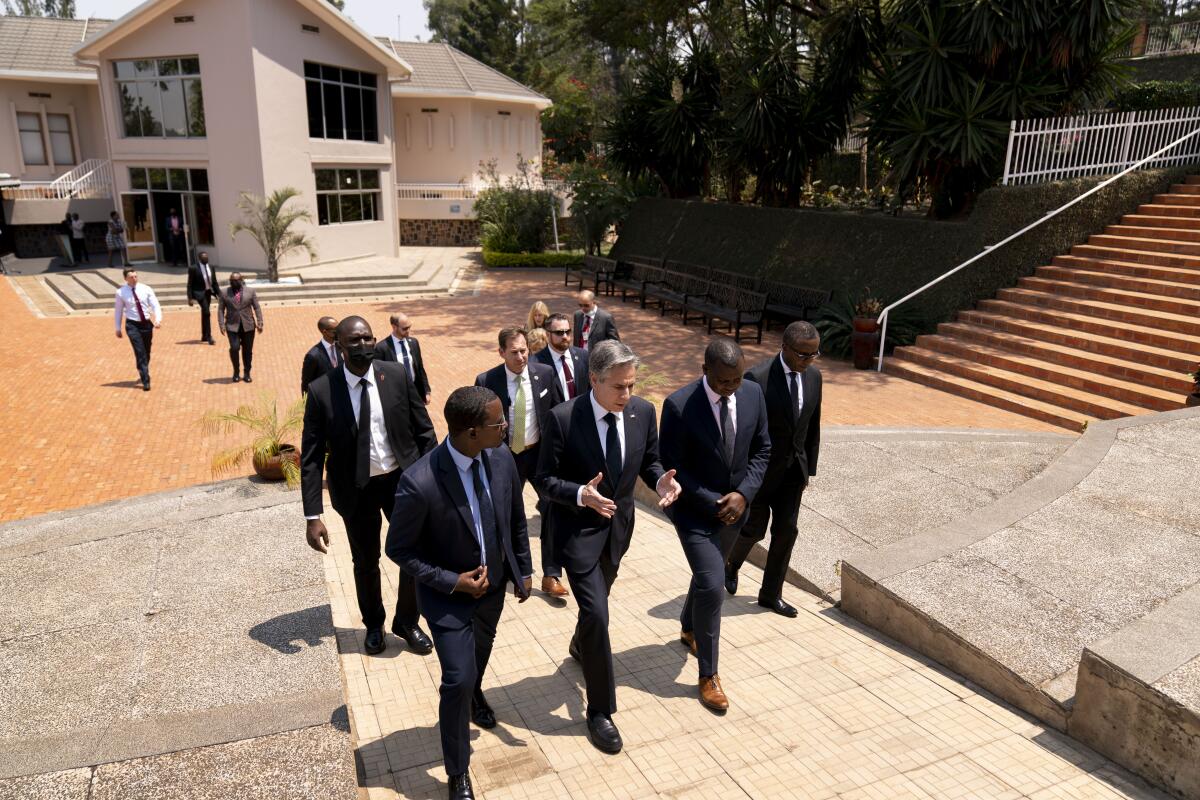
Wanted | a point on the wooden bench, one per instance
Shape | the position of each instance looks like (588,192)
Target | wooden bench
(786,302)
(672,292)
(738,307)
(635,280)
(597,272)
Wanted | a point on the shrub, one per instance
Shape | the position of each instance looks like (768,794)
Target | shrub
(514,217)
(835,323)
(1157,94)
(495,259)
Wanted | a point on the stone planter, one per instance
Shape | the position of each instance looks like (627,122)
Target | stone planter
(865,341)
(271,469)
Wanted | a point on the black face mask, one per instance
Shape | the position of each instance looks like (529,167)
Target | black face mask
(235,285)
(360,356)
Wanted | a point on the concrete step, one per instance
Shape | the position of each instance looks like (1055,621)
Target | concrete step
(1133,283)
(1084,322)
(1015,383)
(1146,228)
(983,393)
(1093,374)
(1145,309)
(1185,188)
(1161,258)
(1157,209)
(80,300)
(1168,199)
(1184,275)
(1192,179)
(1171,362)
(1150,244)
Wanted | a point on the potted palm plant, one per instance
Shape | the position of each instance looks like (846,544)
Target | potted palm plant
(272,456)
(865,339)
(1193,399)
(270,224)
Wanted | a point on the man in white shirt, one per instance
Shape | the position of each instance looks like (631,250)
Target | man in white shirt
(570,363)
(403,348)
(142,315)
(593,324)
(322,357)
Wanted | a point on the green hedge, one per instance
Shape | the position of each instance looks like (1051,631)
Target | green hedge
(1170,68)
(847,251)
(493,259)
(1157,94)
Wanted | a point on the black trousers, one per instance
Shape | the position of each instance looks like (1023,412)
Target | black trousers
(362,529)
(79,249)
(463,637)
(175,248)
(706,551)
(204,300)
(778,500)
(241,340)
(526,463)
(141,337)
(591,633)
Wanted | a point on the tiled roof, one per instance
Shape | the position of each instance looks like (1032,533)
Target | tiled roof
(440,67)
(45,43)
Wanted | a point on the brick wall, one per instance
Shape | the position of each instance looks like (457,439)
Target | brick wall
(439,232)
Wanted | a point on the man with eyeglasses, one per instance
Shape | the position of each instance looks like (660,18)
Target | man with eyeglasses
(593,324)
(570,363)
(793,390)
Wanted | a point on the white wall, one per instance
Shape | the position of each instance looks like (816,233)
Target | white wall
(80,101)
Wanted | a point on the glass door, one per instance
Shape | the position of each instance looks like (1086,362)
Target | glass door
(139,226)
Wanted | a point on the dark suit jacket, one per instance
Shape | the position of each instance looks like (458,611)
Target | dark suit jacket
(432,534)
(603,328)
(316,363)
(386,350)
(691,445)
(247,312)
(579,367)
(545,391)
(571,455)
(195,284)
(793,441)
(329,423)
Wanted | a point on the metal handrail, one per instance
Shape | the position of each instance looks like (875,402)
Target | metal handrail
(991,247)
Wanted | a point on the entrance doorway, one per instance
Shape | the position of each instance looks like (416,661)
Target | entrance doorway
(185,191)
(164,204)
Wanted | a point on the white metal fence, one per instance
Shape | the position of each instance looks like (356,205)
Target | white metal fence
(464,191)
(1170,40)
(1098,144)
(90,180)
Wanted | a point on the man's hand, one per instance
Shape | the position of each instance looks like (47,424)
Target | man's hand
(668,489)
(528,589)
(260,328)
(317,535)
(118,333)
(473,582)
(157,325)
(191,302)
(730,508)
(428,398)
(597,502)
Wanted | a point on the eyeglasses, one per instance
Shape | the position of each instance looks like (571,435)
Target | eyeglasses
(566,332)
(803,356)
(501,424)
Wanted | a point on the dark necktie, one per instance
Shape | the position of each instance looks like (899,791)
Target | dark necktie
(363,461)
(493,556)
(407,363)
(612,450)
(570,378)
(332,355)
(586,332)
(726,432)
(141,314)
(794,380)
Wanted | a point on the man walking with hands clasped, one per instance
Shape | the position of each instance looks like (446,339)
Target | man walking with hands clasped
(139,307)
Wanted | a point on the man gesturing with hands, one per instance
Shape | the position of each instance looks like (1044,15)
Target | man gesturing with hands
(594,449)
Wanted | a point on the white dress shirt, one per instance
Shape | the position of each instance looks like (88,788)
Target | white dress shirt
(401,347)
(532,433)
(206,271)
(599,412)
(124,304)
(714,402)
(787,377)
(589,326)
(557,358)
(463,463)
(383,460)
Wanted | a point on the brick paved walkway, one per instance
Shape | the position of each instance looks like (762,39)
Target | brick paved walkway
(79,430)
(822,707)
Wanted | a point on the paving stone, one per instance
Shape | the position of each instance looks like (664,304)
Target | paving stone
(72,784)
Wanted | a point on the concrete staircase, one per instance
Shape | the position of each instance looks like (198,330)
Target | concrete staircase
(1107,331)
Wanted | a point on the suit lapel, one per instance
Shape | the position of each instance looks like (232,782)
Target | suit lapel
(499,492)
(708,421)
(585,422)
(452,483)
(744,411)
(339,390)
(777,385)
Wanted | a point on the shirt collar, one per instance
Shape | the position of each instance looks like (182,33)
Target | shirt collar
(600,411)
(512,376)
(713,397)
(353,380)
(396,339)
(462,462)
(786,369)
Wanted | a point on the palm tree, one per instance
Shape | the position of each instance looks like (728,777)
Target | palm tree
(271,226)
(270,433)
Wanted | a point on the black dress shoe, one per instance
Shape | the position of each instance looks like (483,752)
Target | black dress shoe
(460,787)
(603,734)
(481,713)
(416,639)
(779,607)
(145,387)
(374,643)
(236,377)
(211,341)
(731,578)
(247,379)
(574,651)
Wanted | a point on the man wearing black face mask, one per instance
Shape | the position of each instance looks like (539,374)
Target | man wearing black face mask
(240,316)
(371,418)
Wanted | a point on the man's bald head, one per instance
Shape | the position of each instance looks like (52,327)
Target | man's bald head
(351,323)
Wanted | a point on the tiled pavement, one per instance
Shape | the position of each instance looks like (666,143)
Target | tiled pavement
(78,429)
(822,707)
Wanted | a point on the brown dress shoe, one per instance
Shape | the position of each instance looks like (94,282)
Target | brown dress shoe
(688,638)
(712,695)
(554,587)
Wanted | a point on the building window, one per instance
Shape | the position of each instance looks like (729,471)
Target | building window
(348,195)
(33,146)
(341,103)
(191,183)
(161,97)
(61,145)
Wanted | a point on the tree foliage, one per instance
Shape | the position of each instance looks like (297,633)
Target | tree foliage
(271,225)
(41,8)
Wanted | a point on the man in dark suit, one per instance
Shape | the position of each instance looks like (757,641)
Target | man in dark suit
(593,324)
(373,424)
(595,449)
(322,357)
(527,391)
(240,316)
(405,349)
(570,363)
(458,527)
(792,386)
(714,434)
(202,287)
